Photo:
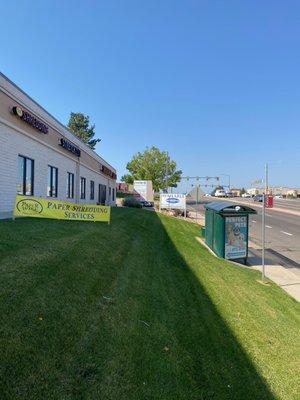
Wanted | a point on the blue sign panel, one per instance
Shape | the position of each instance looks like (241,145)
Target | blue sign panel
(172,200)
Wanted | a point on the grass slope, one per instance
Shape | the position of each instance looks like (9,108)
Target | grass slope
(137,310)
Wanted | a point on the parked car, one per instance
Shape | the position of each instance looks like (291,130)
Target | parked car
(146,203)
(278,196)
(259,198)
(220,193)
(207,195)
(229,194)
(246,195)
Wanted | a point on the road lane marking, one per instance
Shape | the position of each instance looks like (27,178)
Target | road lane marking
(268,226)
(287,233)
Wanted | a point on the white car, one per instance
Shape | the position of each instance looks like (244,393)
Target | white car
(246,195)
(220,193)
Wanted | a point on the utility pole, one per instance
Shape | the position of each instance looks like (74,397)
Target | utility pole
(197,195)
(263,235)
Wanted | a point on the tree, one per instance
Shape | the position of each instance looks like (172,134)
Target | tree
(243,191)
(127,178)
(155,165)
(79,124)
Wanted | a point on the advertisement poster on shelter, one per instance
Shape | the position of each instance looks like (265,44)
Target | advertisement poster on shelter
(235,237)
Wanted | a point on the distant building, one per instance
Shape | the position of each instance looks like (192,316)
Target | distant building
(236,192)
(124,187)
(277,191)
(254,191)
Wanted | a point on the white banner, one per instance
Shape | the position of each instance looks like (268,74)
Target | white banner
(170,200)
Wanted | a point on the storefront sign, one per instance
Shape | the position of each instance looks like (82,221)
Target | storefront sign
(30,119)
(44,208)
(69,146)
(107,171)
(176,200)
(235,237)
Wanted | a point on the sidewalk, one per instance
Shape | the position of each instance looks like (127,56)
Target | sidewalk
(287,276)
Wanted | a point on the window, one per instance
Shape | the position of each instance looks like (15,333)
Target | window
(102,194)
(82,187)
(92,191)
(52,181)
(70,186)
(25,176)
(113,195)
(109,193)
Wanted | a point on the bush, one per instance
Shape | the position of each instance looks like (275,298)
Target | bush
(179,213)
(131,202)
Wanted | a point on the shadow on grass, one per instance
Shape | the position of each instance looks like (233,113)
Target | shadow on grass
(207,362)
(155,335)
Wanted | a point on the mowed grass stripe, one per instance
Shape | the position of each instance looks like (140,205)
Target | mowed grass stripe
(137,310)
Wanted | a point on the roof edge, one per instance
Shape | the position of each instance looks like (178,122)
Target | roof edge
(51,116)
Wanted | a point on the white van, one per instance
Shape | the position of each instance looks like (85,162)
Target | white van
(220,193)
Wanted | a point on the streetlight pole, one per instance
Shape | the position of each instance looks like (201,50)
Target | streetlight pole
(263,235)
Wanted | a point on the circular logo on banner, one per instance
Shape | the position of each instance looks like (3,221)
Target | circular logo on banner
(29,206)
(172,200)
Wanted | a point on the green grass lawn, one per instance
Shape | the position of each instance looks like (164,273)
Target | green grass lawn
(137,310)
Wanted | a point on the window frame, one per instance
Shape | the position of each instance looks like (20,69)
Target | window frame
(92,190)
(82,185)
(70,185)
(24,160)
(50,194)
(102,193)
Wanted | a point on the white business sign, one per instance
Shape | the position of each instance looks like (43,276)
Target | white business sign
(143,190)
(170,200)
(140,188)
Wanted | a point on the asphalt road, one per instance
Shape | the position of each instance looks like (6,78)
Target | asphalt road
(289,204)
(282,232)
(282,227)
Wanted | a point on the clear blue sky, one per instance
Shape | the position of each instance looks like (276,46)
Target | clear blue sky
(216,83)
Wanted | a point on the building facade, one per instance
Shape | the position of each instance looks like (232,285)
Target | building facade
(41,157)
(236,192)
(277,190)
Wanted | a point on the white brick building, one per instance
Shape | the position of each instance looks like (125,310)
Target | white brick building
(39,156)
